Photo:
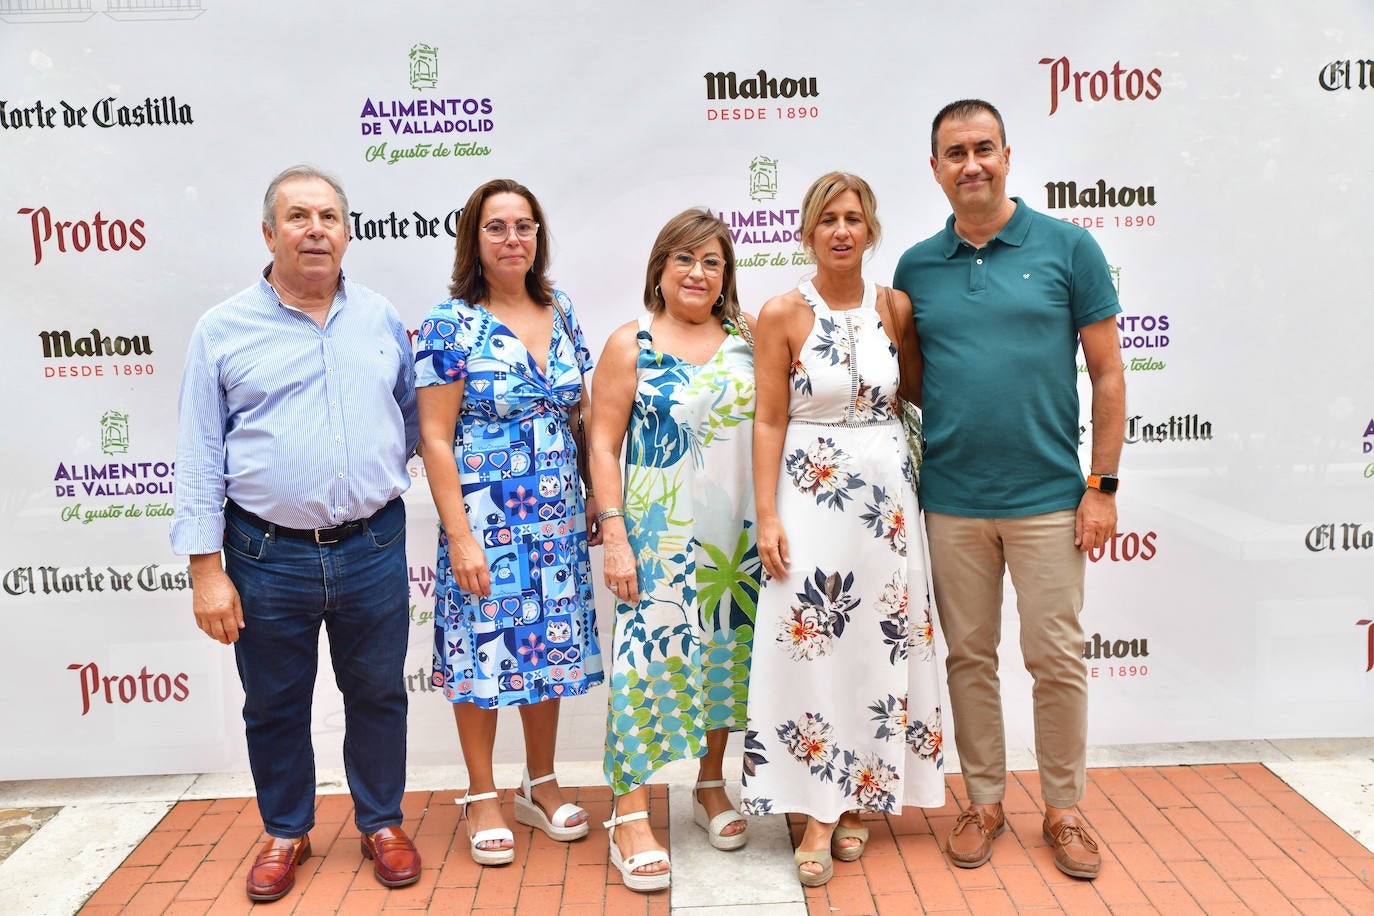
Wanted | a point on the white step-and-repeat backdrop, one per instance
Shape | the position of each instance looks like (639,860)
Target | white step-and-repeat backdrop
(1219,152)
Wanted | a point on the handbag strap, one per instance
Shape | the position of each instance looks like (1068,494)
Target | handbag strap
(572,341)
(899,325)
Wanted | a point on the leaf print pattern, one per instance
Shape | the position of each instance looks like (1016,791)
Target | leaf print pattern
(681,655)
(833,342)
(890,714)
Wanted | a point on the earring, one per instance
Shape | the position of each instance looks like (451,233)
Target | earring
(720,300)
(658,293)
(479,268)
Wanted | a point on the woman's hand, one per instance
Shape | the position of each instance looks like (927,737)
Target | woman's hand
(593,525)
(469,564)
(773,547)
(622,576)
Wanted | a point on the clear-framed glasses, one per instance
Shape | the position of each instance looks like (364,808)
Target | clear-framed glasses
(499,230)
(711,265)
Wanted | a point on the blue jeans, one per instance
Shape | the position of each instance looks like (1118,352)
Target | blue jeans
(359,589)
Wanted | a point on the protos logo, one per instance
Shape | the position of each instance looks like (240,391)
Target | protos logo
(1125,547)
(144,687)
(106,235)
(1119,84)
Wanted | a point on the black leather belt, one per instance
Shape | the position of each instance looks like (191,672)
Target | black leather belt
(331,535)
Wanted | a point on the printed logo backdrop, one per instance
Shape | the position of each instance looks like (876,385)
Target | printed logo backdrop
(137,136)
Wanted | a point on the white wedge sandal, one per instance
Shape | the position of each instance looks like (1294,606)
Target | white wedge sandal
(627,867)
(528,812)
(714,825)
(487,856)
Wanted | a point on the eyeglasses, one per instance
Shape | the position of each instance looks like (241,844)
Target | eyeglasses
(498,230)
(711,265)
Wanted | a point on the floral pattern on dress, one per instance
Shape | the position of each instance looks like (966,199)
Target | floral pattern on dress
(832,342)
(926,739)
(870,781)
(811,741)
(887,518)
(681,655)
(894,620)
(823,470)
(846,651)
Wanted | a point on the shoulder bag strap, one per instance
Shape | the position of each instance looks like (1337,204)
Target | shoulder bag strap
(575,421)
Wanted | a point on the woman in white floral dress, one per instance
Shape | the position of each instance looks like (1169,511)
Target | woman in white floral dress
(844,712)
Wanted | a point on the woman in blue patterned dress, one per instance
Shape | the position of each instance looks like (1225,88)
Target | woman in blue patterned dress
(679,539)
(497,368)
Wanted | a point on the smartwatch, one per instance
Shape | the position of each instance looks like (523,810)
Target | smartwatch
(1104,483)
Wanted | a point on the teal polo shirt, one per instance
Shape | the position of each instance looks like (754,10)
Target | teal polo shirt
(998,327)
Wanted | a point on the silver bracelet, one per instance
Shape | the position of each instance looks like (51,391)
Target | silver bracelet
(608,513)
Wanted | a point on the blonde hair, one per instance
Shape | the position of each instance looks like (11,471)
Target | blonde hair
(824,190)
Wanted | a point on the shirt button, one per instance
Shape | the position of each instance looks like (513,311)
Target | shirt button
(341,475)
(980,260)
(338,438)
(339,508)
(333,403)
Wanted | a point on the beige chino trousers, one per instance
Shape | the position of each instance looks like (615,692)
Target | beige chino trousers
(968,557)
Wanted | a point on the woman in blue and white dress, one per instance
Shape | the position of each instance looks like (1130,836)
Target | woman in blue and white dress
(498,368)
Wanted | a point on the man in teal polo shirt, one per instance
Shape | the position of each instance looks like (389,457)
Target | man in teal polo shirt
(1002,297)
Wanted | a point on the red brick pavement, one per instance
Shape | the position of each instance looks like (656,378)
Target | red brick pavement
(1203,839)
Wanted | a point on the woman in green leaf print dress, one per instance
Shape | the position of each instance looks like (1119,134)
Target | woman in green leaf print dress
(679,535)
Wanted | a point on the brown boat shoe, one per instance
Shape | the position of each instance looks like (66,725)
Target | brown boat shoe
(1075,852)
(970,842)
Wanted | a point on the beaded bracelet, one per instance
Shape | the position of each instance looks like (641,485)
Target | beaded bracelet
(608,513)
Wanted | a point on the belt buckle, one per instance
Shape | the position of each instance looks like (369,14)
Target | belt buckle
(321,543)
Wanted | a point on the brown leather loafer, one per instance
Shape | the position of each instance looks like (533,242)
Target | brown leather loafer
(394,858)
(274,871)
(970,842)
(1075,852)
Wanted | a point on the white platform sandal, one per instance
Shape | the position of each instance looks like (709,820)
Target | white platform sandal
(487,856)
(714,825)
(627,867)
(528,812)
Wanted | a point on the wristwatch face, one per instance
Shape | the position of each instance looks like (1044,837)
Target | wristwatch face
(1103,482)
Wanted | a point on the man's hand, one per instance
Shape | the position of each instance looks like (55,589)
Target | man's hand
(1095,523)
(219,612)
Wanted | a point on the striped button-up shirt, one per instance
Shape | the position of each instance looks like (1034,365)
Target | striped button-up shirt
(306,426)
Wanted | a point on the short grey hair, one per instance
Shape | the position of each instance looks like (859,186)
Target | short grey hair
(269,200)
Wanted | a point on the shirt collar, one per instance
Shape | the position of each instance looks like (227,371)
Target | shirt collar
(1013,233)
(266,288)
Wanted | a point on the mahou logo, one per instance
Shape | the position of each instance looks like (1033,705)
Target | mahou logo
(80,235)
(144,687)
(1062,194)
(1119,83)
(1125,547)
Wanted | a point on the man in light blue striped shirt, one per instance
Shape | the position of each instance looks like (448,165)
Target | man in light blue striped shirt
(296,419)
